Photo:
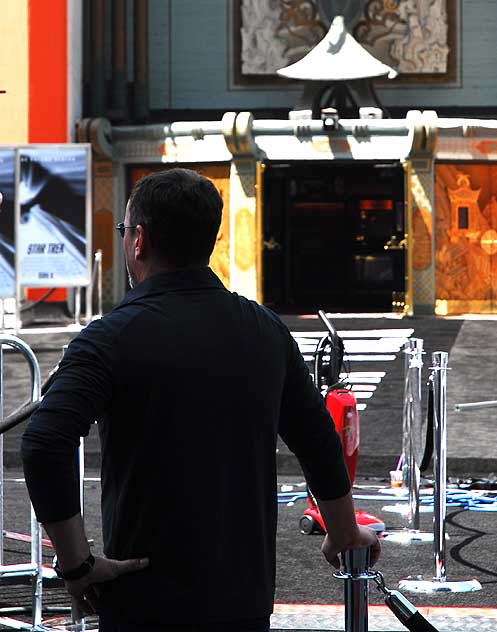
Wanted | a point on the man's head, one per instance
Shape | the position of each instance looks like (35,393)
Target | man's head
(174,217)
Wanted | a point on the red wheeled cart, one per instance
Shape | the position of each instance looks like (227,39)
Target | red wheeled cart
(342,406)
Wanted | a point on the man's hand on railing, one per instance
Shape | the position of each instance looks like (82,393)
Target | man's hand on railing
(365,537)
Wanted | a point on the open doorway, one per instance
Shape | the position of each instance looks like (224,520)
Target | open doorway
(333,236)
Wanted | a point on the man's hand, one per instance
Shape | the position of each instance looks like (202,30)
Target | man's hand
(85,591)
(366,537)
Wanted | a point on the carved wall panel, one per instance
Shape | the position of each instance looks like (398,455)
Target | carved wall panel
(466,233)
(416,37)
(275,33)
(220,176)
(409,35)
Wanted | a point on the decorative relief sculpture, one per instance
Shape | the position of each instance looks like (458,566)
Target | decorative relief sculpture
(409,35)
(466,239)
(275,33)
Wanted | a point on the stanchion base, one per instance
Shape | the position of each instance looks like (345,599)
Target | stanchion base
(403,509)
(408,536)
(427,586)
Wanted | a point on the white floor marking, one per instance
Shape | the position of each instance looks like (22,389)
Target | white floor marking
(368,358)
(362,380)
(357,333)
(360,345)
(364,374)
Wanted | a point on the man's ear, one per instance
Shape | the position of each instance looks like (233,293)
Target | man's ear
(140,242)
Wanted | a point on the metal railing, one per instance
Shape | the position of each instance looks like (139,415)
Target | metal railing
(413,440)
(33,571)
(439,582)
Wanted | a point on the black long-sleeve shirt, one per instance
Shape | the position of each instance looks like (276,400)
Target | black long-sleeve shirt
(190,385)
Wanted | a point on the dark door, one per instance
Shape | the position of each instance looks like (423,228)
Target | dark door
(332,236)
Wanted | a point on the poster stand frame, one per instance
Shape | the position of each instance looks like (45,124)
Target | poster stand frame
(19,286)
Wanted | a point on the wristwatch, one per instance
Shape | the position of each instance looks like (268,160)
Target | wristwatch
(76,573)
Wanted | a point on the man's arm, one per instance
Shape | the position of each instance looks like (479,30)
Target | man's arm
(308,430)
(80,393)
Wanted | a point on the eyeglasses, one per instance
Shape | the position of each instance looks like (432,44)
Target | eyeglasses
(121,227)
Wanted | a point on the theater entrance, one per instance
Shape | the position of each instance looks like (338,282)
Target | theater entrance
(333,237)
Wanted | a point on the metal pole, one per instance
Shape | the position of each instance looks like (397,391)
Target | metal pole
(412,427)
(439,583)
(356,563)
(36,549)
(440,365)
(77,305)
(412,448)
(34,570)
(260,127)
(476,405)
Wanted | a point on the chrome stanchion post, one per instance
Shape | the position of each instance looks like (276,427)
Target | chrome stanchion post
(440,366)
(440,582)
(36,549)
(356,563)
(412,447)
(356,574)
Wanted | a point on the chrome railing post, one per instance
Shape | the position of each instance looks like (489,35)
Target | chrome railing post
(440,361)
(356,563)
(412,427)
(439,583)
(412,446)
(356,575)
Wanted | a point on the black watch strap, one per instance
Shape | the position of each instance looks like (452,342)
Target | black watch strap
(76,573)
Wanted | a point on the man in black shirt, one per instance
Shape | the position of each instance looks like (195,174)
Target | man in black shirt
(190,385)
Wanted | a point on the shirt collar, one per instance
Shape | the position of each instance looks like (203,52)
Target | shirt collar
(198,278)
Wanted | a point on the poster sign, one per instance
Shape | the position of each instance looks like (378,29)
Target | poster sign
(7,232)
(53,240)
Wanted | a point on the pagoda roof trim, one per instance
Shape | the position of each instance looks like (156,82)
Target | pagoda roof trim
(337,57)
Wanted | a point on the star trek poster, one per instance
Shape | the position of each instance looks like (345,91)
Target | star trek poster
(53,206)
(7,233)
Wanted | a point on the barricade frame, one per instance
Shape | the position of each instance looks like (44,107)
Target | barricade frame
(33,571)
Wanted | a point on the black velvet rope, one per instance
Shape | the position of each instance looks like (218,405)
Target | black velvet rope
(428,453)
(417,623)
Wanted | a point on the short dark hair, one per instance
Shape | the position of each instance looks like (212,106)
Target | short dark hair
(181,213)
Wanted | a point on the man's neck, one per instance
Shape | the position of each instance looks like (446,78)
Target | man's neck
(159,268)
